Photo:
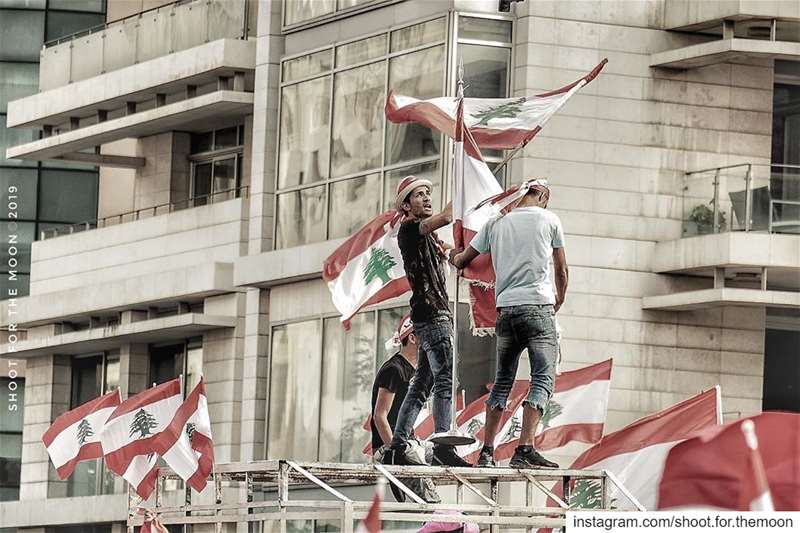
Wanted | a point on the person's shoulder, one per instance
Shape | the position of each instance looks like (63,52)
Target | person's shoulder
(409,227)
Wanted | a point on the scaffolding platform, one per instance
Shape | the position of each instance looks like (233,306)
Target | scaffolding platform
(277,493)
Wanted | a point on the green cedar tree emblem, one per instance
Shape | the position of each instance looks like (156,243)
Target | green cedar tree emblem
(378,266)
(84,431)
(588,494)
(190,427)
(474,427)
(514,429)
(507,110)
(142,423)
(553,410)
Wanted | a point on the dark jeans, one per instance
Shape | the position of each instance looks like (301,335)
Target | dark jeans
(434,372)
(519,327)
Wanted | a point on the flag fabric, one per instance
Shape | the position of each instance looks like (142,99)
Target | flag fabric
(151,523)
(716,469)
(755,494)
(367,268)
(136,424)
(75,435)
(497,123)
(142,474)
(372,522)
(186,443)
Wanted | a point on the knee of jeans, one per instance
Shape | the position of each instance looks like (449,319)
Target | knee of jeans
(443,385)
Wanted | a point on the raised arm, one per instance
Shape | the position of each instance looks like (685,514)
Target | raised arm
(435,222)
(561,275)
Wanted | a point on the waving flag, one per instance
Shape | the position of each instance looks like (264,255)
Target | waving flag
(498,123)
(75,435)
(367,268)
(142,474)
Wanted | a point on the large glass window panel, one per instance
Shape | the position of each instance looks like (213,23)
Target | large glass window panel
(224,178)
(112,374)
(348,371)
(417,35)
(304,132)
(95,6)
(344,4)
(86,379)
(428,171)
(61,23)
(22,284)
(24,179)
(21,35)
(359,51)
(83,481)
(225,138)
(194,363)
(358,102)
(67,196)
(484,29)
(354,202)
(301,217)
(24,4)
(19,251)
(12,418)
(307,65)
(485,70)
(405,142)
(302,10)
(201,187)
(295,375)
(166,362)
(14,137)
(388,319)
(17,80)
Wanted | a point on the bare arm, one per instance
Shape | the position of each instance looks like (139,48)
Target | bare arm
(380,414)
(465,257)
(435,222)
(561,275)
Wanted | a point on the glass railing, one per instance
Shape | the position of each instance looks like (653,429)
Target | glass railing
(145,212)
(154,33)
(744,197)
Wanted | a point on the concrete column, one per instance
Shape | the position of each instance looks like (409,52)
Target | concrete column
(165,177)
(47,395)
(134,368)
(255,381)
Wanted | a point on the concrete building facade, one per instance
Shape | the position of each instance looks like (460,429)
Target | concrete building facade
(239,142)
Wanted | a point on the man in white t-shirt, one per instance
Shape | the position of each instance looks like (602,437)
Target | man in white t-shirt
(522,243)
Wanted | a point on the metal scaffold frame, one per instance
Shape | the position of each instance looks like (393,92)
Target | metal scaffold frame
(280,476)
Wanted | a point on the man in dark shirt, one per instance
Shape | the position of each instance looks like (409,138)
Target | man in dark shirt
(424,262)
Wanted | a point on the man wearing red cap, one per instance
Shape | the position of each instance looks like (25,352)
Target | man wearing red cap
(424,263)
(522,244)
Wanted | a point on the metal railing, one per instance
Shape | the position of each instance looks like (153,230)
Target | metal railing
(140,37)
(742,197)
(145,212)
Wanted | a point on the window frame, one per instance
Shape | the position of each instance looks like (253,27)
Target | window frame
(330,17)
(212,156)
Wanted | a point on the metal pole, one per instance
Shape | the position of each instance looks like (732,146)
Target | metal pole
(748,201)
(715,201)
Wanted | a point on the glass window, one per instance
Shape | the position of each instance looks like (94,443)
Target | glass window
(301,217)
(305,119)
(302,10)
(344,4)
(224,177)
(97,6)
(61,23)
(14,137)
(387,325)
(194,363)
(485,70)
(294,391)
(428,32)
(11,421)
(225,138)
(484,29)
(201,189)
(67,196)
(405,142)
(21,35)
(11,436)
(202,142)
(429,171)
(21,251)
(166,362)
(358,98)
(17,80)
(23,4)
(308,65)
(359,51)
(24,180)
(354,202)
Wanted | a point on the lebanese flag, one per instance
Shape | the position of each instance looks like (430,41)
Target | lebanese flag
(372,522)
(186,444)
(142,474)
(135,425)
(498,123)
(75,435)
(367,268)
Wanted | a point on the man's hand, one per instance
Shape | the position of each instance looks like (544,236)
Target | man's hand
(451,254)
(464,257)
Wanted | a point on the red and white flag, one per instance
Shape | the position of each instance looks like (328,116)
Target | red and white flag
(75,435)
(135,425)
(755,495)
(186,443)
(497,123)
(142,474)
(367,268)
(372,522)
(151,523)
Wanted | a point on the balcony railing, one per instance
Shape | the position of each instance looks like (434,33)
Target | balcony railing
(146,212)
(141,37)
(744,197)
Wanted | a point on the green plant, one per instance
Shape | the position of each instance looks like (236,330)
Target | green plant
(703,217)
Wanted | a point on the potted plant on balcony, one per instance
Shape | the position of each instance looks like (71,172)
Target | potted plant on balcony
(701,220)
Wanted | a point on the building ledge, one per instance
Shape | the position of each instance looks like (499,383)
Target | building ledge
(62,511)
(706,298)
(279,267)
(194,114)
(110,337)
(723,51)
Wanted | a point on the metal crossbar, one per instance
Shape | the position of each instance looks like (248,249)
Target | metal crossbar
(280,492)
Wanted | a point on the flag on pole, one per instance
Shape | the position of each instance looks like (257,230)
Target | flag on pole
(372,522)
(367,268)
(497,123)
(75,435)
(142,474)
(755,494)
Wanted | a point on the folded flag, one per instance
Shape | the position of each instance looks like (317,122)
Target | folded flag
(367,268)
(142,474)
(372,522)
(75,435)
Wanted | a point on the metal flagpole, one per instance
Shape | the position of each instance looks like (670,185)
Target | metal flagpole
(453,437)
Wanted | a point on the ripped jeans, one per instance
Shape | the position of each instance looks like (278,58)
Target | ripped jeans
(519,327)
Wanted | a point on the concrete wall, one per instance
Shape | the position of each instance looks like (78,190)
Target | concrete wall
(116,185)
(683,13)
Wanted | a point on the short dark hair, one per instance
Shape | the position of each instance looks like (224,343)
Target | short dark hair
(404,340)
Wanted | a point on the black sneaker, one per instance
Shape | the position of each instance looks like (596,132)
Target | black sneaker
(447,456)
(485,459)
(389,457)
(530,458)
(425,489)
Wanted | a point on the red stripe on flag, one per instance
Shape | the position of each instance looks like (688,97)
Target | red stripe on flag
(93,450)
(393,289)
(148,484)
(146,397)
(560,435)
(423,113)
(79,413)
(583,376)
(357,244)
(482,307)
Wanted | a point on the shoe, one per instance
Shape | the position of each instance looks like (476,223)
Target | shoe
(530,459)
(485,459)
(425,489)
(389,459)
(447,456)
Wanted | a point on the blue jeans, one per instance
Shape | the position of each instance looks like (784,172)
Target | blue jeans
(434,372)
(519,327)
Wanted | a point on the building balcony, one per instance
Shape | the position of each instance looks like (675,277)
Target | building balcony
(696,15)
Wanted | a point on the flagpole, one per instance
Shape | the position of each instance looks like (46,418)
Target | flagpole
(511,154)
